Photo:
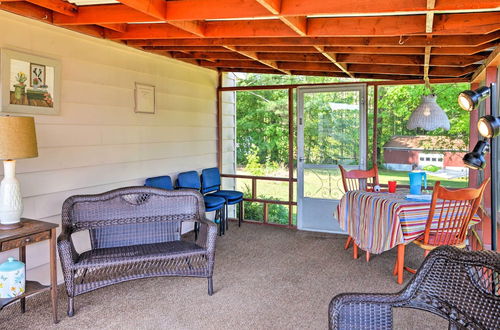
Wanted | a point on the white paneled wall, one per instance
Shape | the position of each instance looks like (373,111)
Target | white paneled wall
(98,143)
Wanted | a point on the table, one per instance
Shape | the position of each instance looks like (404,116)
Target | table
(380,221)
(32,231)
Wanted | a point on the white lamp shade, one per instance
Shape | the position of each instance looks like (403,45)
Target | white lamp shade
(428,115)
(17,137)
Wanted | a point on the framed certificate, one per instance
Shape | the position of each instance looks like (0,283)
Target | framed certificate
(145,101)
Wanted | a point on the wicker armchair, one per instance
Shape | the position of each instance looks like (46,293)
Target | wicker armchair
(135,233)
(462,287)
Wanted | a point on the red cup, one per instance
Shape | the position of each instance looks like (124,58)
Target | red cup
(392,186)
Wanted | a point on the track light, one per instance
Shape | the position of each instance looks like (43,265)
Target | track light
(475,159)
(488,126)
(468,100)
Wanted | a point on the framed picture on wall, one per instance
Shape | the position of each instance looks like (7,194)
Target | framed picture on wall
(145,100)
(29,83)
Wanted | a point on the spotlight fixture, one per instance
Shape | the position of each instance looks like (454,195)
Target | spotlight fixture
(475,159)
(489,126)
(469,100)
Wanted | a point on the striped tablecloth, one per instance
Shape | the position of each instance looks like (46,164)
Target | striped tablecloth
(380,221)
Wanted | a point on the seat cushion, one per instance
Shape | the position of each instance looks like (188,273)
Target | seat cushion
(230,195)
(134,253)
(213,202)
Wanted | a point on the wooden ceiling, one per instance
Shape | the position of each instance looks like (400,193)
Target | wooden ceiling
(386,39)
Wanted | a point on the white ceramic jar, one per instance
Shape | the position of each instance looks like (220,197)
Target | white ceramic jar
(12,278)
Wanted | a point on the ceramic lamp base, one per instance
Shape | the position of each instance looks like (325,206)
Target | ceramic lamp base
(11,201)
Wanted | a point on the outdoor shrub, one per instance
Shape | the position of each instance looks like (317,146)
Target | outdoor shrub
(432,168)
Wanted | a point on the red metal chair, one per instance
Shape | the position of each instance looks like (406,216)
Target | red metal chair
(455,211)
(358,180)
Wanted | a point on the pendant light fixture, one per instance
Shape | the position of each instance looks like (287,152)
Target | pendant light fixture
(428,115)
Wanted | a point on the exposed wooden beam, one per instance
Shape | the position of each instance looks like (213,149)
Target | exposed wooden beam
(28,10)
(234,64)
(411,41)
(429,16)
(189,48)
(104,14)
(493,59)
(319,27)
(121,27)
(153,8)
(265,71)
(211,55)
(278,49)
(255,57)
(223,9)
(300,7)
(274,6)
(57,6)
(194,27)
(332,58)
(156,31)
(293,57)
(296,23)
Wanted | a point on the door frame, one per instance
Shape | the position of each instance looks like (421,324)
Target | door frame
(363,140)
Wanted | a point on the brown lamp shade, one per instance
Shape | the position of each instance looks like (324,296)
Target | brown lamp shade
(17,137)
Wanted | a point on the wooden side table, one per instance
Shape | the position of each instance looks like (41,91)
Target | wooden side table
(32,231)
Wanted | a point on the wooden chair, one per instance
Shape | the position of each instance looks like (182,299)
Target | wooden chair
(358,180)
(455,211)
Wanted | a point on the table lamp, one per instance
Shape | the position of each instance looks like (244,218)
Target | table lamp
(17,141)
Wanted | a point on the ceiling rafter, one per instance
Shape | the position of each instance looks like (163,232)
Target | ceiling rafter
(254,56)
(390,39)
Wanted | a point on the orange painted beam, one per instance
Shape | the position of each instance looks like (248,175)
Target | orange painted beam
(154,31)
(309,66)
(188,48)
(121,27)
(153,8)
(367,26)
(476,23)
(452,72)
(258,28)
(57,6)
(194,27)
(410,41)
(293,57)
(104,14)
(274,6)
(234,64)
(449,60)
(296,23)
(278,49)
(214,9)
(376,50)
(28,10)
(300,7)
(211,56)
(221,9)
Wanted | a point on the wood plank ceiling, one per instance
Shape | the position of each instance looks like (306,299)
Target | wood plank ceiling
(387,39)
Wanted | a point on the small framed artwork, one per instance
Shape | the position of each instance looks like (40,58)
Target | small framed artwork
(145,100)
(37,75)
(29,83)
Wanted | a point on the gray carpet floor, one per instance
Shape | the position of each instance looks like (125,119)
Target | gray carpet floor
(265,278)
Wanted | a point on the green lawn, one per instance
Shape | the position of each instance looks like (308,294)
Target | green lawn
(317,184)
(328,183)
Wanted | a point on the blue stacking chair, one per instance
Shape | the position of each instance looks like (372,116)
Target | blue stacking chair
(191,180)
(210,184)
(162,182)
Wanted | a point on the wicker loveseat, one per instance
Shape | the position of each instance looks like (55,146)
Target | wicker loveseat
(462,287)
(135,232)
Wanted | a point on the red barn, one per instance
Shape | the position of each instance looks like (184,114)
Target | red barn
(401,152)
